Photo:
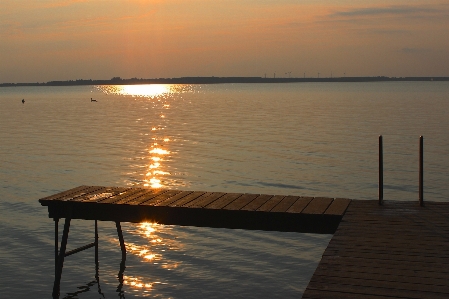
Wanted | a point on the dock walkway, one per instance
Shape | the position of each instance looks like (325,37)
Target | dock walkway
(197,208)
(397,250)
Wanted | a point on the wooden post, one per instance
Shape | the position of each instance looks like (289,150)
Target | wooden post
(65,236)
(96,243)
(121,240)
(56,243)
(381,172)
(421,171)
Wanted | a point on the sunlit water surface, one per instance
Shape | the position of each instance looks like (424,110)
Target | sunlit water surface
(310,139)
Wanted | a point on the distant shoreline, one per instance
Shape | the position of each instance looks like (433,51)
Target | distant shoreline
(219,80)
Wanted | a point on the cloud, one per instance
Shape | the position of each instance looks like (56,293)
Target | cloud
(381,11)
(432,12)
(408,50)
(65,3)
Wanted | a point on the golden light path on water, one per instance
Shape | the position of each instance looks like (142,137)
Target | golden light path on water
(151,252)
(160,96)
(152,247)
(142,90)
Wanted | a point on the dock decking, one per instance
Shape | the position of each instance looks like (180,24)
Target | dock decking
(195,208)
(397,250)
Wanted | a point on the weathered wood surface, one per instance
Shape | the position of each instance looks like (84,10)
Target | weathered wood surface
(197,208)
(398,250)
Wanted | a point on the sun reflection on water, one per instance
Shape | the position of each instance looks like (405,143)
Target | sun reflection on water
(151,107)
(141,90)
(146,90)
(157,241)
(157,153)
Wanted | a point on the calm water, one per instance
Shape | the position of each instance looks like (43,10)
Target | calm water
(317,139)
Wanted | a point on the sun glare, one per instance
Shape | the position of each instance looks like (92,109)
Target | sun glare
(140,90)
(159,151)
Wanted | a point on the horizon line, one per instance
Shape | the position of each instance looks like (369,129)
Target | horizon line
(224,79)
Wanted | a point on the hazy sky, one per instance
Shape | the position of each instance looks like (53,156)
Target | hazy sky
(43,40)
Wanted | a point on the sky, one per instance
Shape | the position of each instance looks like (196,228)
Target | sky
(46,40)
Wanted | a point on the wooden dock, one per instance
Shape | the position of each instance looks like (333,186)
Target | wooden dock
(397,250)
(197,208)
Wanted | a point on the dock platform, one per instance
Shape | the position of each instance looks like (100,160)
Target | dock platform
(198,208)
(394,250)
(397,250)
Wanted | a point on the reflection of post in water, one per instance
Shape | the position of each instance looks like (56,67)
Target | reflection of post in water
(61,253)
(121,293)
(86,288)
(97,278)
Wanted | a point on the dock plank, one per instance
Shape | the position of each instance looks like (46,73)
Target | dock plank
(285,204)
(325,294)
(160,198)
(299,205)
(318,205)
(130,197)
(65,194)
(204,200)
(338,206)
(372,287)
(180,202)
(82,194)
(240,202)
(257,202)
(101,194)
(223,201)
(173,198)
(146,196)
(271,203)
(121,197)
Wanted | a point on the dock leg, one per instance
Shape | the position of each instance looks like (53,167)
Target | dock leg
(56,243)
(122,241)
(58,270)
(96,243)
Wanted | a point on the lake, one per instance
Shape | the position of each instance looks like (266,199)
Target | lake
(308,139)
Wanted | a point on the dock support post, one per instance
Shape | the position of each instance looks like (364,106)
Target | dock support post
(58,270)
(96,243)
(421,171)
(56,220)
(122,241)
(381,171)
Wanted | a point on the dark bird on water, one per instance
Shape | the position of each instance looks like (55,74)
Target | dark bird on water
(92,100)
(23,101)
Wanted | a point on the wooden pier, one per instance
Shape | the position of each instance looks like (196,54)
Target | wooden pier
(197,208)
(394,250)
